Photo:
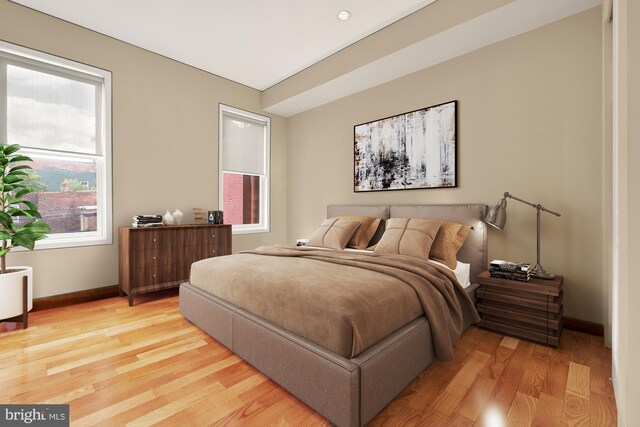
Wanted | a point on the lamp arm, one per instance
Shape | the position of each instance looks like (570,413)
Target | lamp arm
(538,206)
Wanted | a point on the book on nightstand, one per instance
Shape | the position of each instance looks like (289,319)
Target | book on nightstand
(510,270)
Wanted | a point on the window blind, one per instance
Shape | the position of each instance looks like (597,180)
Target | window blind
(243,145)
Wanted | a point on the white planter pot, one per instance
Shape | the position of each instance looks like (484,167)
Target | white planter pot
(11,291)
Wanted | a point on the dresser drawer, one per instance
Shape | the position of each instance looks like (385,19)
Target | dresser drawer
(159,258)
(161,274)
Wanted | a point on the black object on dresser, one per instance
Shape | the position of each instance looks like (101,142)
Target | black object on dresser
(531,310)
(157,258)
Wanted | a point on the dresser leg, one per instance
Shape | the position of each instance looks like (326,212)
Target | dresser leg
(120,292)
(130,300)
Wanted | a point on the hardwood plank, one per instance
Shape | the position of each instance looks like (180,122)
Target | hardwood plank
(602,410)
(508,383)
(575,411)
(578,380)
(534,376)
(522,410)
(548,411)
(476,398)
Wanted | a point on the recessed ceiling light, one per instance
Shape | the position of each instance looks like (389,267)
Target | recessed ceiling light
(343,15)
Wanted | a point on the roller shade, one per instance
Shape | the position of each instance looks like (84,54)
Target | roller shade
(243,145)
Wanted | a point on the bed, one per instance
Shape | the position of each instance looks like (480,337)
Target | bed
(349,389)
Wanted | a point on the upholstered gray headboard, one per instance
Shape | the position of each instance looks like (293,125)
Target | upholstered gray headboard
(474,250)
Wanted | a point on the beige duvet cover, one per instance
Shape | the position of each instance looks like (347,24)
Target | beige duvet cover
(344,302)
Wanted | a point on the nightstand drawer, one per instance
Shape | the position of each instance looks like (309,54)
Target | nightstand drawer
(541,321)
(548,339)
(521,299)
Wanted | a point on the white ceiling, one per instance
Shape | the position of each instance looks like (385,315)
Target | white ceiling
(254,42)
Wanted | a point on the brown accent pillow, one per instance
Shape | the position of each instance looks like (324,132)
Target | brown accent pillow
(450,238)
(364,233)
(334,233)
(408,236)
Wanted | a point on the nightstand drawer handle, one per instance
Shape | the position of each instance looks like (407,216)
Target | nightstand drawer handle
(213,235)
(154,257)
(154,239)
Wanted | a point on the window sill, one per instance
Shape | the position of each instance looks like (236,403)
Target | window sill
(68,242)
(251,230)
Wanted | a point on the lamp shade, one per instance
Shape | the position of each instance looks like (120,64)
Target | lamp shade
(497,216)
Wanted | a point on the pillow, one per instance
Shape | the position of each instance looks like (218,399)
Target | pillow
(450,238)
(333,233)
(364,233)
(408,236)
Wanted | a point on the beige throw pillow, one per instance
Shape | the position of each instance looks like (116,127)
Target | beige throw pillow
(408,236)
(450,238)
(368,227)
(334,233)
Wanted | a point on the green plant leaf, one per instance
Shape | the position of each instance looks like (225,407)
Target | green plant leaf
(32,213)
(20,239)
(12,179)
(21,193)
(3,252)
(32,206)
(6,221)
(37,227)
(8,150)
(20,158)
(14,172)
(20,167)
(13,212)
(4,235)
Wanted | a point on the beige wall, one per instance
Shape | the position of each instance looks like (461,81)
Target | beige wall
(165,135)
(529,122)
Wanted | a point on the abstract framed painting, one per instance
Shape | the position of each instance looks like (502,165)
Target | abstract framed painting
(409,151)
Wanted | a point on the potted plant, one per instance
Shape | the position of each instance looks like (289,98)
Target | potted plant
(13,190)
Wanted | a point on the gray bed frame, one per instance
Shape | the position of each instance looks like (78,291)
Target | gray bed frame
(348,392)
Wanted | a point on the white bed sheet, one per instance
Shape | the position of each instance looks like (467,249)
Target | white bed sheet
(462,270)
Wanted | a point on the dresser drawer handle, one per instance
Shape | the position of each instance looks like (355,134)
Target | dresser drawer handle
(154,275)
(154,239)
(213,252)
(213,235)
(154,257)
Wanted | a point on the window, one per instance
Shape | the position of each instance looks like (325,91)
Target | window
(59,111)
(244,169)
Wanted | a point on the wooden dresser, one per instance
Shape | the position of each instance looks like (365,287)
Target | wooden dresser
(159,258)
(530,310)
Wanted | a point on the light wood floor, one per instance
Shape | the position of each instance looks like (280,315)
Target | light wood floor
(118,365)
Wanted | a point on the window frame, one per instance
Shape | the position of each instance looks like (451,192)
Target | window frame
(265,200)
(11,54)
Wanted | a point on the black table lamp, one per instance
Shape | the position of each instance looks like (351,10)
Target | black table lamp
(497,217)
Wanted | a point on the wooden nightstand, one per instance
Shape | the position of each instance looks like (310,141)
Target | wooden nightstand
(530,310)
